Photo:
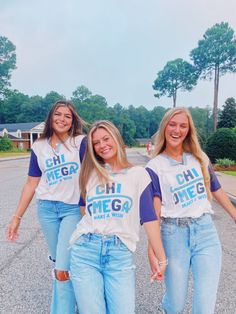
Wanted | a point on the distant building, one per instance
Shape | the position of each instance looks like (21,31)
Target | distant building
(22,135)
(142,141)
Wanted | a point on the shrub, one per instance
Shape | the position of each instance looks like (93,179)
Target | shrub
(221,144)
(5,143)
(226,162)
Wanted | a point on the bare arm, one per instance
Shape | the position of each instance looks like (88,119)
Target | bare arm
(25,199)
(223,199)
(156,251)
(152,229)
(82,210)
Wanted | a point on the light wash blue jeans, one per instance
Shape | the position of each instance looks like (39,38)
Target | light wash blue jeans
(58,220)
(195,245)
(103,275)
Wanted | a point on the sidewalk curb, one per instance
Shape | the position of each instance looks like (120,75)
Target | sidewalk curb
(13,158)
(232,198)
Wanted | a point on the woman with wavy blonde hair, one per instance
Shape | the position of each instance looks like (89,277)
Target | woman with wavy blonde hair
(183,182)
(117,197)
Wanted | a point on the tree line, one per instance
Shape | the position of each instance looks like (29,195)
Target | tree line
(214,56)
(133,122)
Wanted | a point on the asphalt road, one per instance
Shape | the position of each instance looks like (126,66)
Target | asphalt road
(25,280)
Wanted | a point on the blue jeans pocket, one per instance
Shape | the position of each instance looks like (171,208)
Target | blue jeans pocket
(123,247)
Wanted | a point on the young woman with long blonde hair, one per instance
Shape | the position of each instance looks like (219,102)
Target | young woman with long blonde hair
(117,196)
(183,183)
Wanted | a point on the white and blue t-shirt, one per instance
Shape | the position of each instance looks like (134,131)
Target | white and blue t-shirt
(59,169)
(180,186)
(118,207)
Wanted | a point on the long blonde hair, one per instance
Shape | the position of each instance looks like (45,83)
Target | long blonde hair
(92,161)
(190,144)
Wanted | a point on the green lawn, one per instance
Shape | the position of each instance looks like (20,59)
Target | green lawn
(11,154)
(232,173)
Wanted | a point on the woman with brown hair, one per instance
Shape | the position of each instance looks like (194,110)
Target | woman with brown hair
(54,176)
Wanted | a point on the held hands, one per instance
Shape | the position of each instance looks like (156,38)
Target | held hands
(157,267)
(12,229)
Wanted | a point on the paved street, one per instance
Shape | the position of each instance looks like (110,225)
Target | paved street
(25,272)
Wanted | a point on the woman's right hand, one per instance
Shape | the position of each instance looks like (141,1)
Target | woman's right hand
(25,199)
(157,273)
(12,229)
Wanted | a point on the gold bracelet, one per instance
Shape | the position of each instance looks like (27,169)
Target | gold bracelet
(19,217)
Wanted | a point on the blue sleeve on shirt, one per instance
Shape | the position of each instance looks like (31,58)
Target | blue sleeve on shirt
(34,170)
(156,188)
(82,149)
(81,201)
(147,210)
(214,182)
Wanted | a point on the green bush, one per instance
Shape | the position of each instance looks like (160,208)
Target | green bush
(221,144)
(5,143)
(225,162)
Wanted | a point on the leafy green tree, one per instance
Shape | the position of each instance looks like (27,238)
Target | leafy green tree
(222,144)
(215,56)
(81,93)
(202,120)
(227,118)
(155,118)
(140,116)
(18,107)
(31,111)
(5,143)
(12,106)
(176,74)
(92,109)
(1,111)
(7,62)
(48,102)
(119,116)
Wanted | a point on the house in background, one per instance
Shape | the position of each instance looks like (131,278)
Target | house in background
(22,135)
(142,141)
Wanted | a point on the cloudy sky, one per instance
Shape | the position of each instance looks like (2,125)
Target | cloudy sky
(114,47)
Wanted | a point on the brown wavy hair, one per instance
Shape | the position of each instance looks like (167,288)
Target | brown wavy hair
(77,122)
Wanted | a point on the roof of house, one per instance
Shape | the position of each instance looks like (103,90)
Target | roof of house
(12,127)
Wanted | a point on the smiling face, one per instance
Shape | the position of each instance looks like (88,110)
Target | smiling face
(104,145)
(176,130)
(62,120)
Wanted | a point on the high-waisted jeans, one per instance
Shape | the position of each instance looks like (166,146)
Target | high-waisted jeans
(194,246)
(58,220)
(103,275)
